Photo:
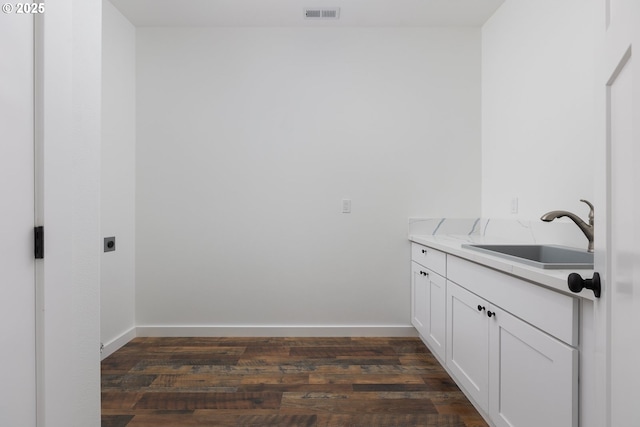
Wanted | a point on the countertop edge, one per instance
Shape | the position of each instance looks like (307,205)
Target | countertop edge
(553,279)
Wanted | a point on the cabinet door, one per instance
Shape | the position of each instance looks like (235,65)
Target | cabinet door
(533,379)
(436,314)
(419,305)
(468,342)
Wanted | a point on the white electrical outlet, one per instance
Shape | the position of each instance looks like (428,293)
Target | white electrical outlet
(514,205)
(346,205)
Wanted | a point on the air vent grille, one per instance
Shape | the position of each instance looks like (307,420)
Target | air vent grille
(333,13)
(322,13)
(313,13)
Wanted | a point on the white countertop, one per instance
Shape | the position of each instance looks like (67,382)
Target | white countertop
(553,279)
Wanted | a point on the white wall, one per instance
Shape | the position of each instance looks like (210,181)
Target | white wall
(68,278)
(117,293)
(537,108)
(248,139)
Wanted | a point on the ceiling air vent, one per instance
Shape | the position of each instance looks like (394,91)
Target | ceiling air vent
(323,13)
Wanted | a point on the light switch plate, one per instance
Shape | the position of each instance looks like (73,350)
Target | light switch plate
(346,205)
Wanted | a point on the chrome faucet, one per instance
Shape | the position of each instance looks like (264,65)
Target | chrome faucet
(587,229)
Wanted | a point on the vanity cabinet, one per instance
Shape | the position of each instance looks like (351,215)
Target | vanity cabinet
(428,297)
(519,375)
(510,344)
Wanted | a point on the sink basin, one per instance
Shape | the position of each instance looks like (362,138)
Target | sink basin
(541,256)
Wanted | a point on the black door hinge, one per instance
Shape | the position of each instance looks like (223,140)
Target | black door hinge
(38,239)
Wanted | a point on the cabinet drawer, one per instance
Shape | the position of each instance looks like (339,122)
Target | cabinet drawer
(553,312)
(430,258)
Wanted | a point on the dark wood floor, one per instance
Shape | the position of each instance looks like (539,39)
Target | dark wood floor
(364,382)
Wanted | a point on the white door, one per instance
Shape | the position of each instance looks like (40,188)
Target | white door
(468,342)
(428,307)
(17,264)
(437,316)
(618,184)
(530,370)
(419,303)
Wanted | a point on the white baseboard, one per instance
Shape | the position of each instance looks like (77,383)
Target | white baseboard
(255,331)
(276,331)
(112,346)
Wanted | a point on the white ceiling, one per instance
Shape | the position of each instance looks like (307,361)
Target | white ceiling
(396,13)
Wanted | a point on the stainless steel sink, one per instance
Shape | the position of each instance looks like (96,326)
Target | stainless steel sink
(541,256)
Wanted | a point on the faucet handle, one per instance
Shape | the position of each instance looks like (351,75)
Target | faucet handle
(590,210)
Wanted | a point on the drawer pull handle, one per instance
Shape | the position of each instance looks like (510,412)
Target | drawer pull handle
(491,314)
(480,308)
(424,251)
(424,273)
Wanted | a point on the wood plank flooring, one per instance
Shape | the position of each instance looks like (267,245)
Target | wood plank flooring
(296,382)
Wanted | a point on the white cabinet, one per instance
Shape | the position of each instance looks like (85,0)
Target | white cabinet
(419,299)
(533,376)
(428,305)
(519,375)
(509,344)
(547,310)
(437,320)
(428,298)
(468,342)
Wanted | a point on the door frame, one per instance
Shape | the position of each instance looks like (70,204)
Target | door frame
(68,87)
(612,52)
(19,396)
(38,86)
